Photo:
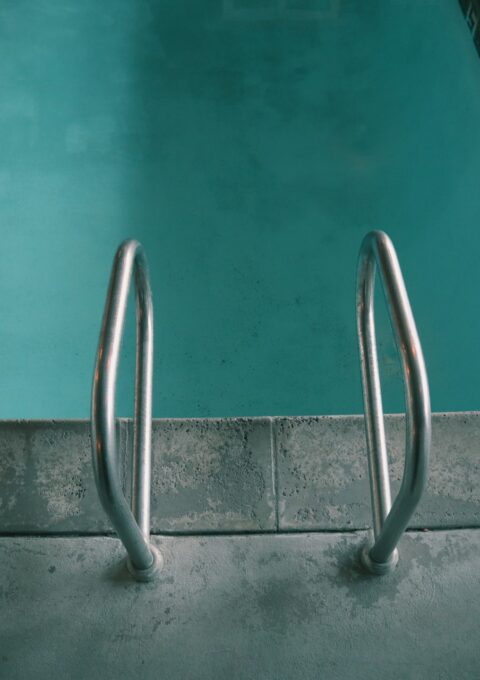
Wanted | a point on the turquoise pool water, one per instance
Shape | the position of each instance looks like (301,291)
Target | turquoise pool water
(249,147)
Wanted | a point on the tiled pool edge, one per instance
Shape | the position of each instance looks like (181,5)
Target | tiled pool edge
(236,475)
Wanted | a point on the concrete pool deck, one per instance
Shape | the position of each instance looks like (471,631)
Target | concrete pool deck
(262,521)
(242,607)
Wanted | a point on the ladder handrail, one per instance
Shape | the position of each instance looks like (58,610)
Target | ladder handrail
(390,521)
(132,525)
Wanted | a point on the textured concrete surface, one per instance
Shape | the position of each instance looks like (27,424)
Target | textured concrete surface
(222,475)
(207,475)
(272,607)
(323,472)
(213,475)
(46,477)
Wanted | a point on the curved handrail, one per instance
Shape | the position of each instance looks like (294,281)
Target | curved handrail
(132,525)
(389,522)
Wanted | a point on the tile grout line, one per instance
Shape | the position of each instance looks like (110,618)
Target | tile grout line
(123,453)
(274,458)
(231,534)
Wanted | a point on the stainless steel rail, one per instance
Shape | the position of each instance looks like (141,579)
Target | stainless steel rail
(389,522)
(132,525)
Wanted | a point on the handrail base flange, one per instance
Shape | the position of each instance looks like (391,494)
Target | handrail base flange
(149,574)
(377,568)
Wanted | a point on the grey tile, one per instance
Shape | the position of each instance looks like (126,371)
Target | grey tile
(212,475)
(217,475)
(323,476)
(46,478)
(208,475)
(452,497)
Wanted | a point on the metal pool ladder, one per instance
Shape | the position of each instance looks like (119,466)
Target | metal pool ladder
(132,524)
(390,521)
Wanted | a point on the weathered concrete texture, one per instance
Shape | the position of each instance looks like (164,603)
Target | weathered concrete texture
(272,607)
(210,475)
(46,477)
(221,475)
(323,471)
(207,475)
